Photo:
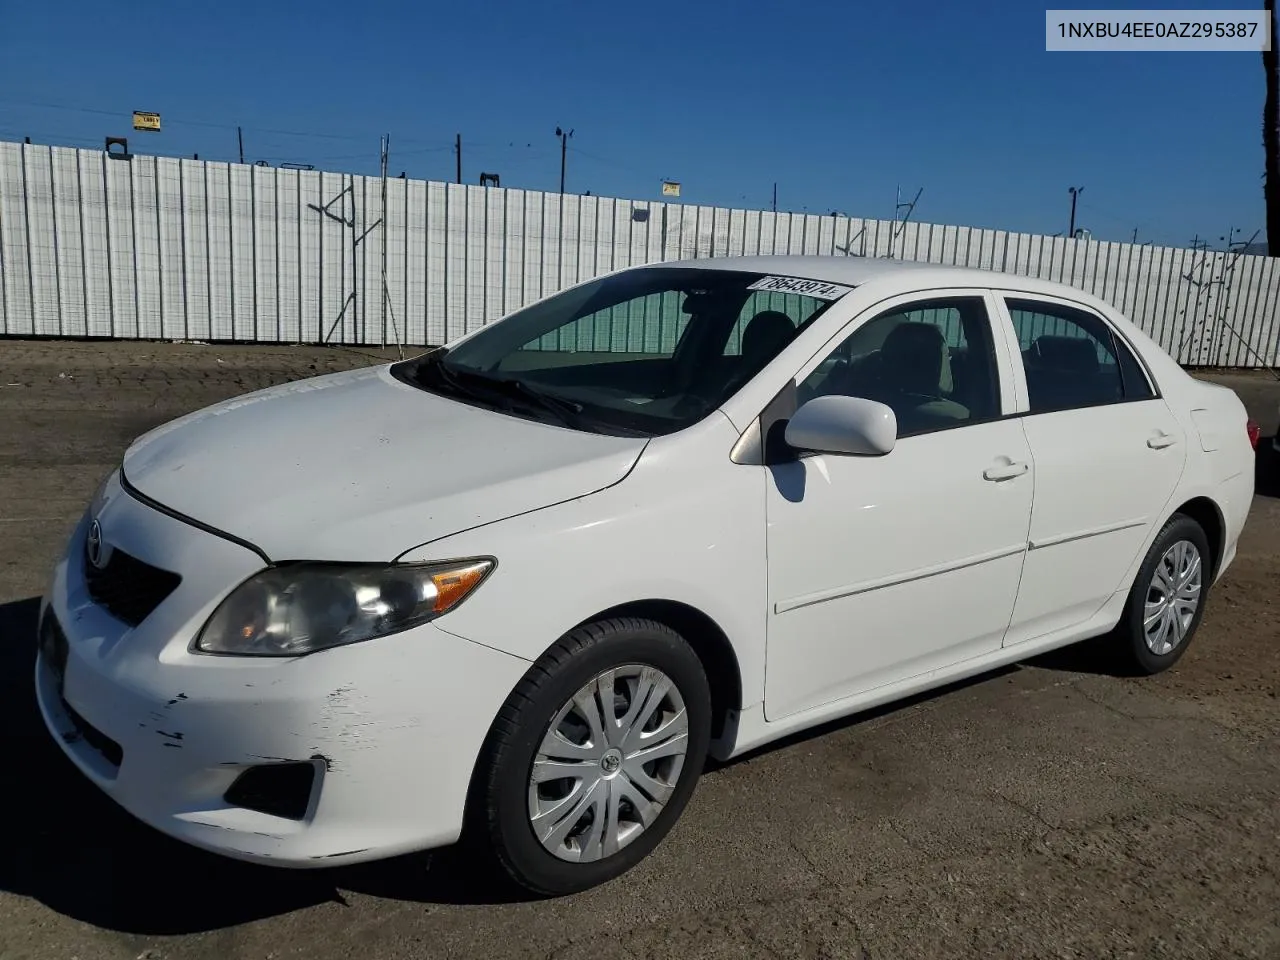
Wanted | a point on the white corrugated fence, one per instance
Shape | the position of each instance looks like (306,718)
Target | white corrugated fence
(160,248)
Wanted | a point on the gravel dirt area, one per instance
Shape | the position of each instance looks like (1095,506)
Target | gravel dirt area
(1048,810)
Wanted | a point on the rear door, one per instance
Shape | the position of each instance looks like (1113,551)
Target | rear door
(1108,455)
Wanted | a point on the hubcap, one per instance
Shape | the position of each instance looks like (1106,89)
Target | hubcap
(1172,598)
(608,763)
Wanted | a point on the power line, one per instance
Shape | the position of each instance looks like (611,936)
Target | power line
(60,139)
(615,163)
(399,153)
(16,134)
(184,121)
(1146,227)
(1097,211)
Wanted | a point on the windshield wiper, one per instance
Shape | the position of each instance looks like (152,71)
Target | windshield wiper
(476,384)
(435,365)
(482,386)
(567,410)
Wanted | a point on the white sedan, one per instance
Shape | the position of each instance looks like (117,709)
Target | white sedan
(525,584)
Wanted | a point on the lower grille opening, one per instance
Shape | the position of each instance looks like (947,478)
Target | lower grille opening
(111,751)
(278,789)
(53,645)
(53,651)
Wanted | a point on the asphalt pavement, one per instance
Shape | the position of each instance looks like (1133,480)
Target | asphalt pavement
(1047,810)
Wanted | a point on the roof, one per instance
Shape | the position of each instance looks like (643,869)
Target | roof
(847,270)
(906,274)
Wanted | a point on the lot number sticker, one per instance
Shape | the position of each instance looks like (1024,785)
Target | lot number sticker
(810,288)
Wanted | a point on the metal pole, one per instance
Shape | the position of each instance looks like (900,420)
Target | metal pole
(355,242)
(458,149)
(386,294)
(1075,192)
(564,147)
(240,140)
(775,197)
(900,229)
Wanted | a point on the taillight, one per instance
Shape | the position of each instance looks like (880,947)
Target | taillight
(1255,431)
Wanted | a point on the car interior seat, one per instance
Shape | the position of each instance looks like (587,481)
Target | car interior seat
(912,359)
(764,337)
(1061,371)
(912,374)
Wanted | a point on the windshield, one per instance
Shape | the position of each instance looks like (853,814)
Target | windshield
(647,351)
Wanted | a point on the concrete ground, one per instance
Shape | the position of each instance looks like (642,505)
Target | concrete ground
(1049,810)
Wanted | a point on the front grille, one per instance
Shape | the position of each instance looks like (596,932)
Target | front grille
(127,588)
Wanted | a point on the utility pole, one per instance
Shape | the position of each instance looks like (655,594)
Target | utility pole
(457,148)
(1135,235)
(775,196)
(240,140)
(1271,134)
(1075,192)
(564,148)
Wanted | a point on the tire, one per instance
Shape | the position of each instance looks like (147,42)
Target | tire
(608,788)
(1149,654)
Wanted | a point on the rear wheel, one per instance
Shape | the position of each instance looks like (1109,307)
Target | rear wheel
(595,754)
(1167,599)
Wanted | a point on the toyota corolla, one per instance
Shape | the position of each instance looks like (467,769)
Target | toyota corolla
(524,584)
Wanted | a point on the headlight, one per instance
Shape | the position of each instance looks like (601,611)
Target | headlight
(304,607)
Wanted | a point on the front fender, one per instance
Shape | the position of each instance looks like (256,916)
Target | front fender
(686,525)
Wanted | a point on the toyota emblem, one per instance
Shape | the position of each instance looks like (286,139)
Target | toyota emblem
(93,545)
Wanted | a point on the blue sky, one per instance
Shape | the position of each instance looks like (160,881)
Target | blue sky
(837,102)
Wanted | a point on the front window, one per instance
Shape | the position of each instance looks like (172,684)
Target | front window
(933,362)
(646,351)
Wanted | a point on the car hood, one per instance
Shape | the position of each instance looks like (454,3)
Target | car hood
(358,466)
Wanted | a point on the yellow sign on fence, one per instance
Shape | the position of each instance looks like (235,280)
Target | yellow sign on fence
(143,120)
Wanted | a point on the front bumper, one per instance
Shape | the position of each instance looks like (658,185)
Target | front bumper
(392,726)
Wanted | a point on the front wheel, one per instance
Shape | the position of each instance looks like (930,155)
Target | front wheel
(595,754)
(1167,599)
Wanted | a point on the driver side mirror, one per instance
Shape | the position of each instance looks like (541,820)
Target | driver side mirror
(843,425)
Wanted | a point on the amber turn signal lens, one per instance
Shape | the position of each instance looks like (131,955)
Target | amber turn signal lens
(452,585)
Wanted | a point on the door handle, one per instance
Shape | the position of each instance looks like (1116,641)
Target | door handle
(1005,471)
(1161,440)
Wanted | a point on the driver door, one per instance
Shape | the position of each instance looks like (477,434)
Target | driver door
(881,569)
